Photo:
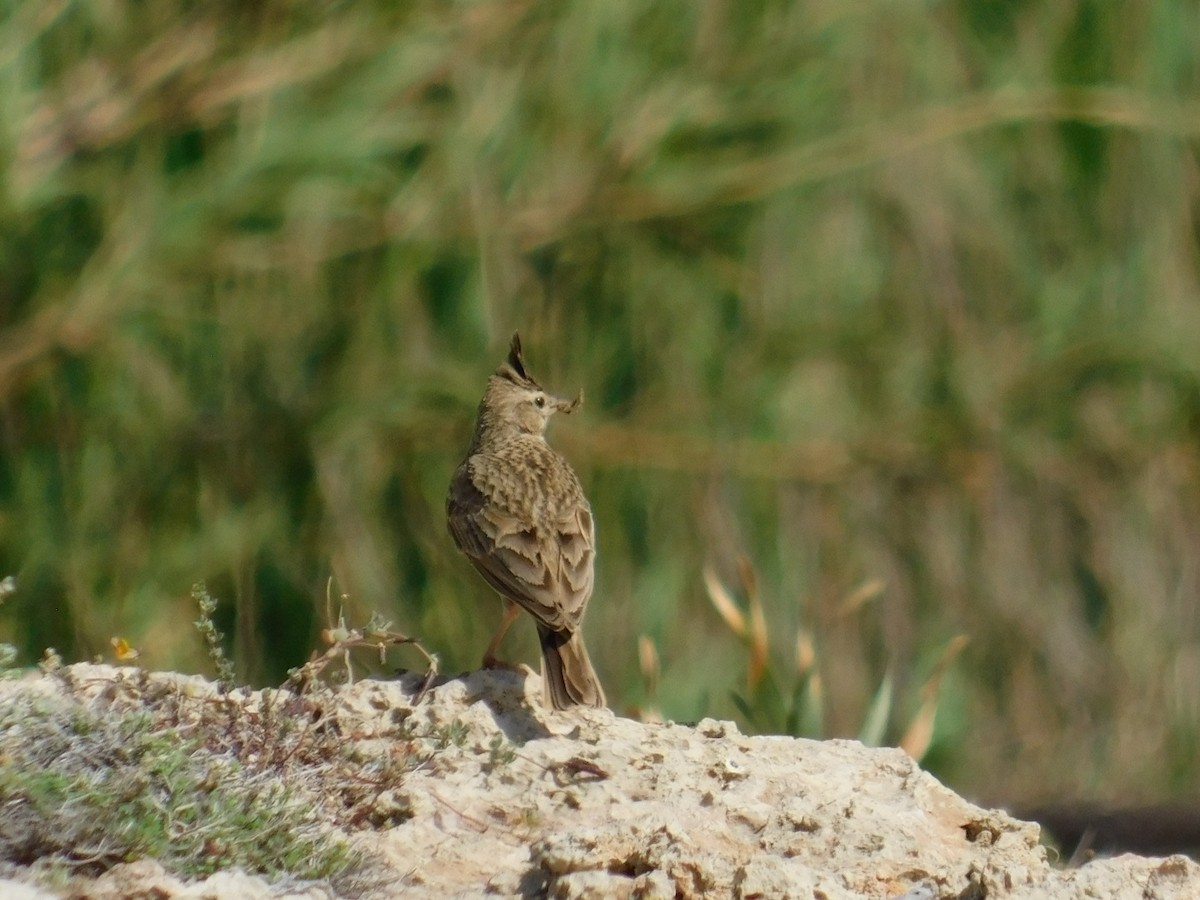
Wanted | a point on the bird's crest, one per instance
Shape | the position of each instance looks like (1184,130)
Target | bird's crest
(514,367)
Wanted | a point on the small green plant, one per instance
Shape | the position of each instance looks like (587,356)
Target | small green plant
(88,790)
(8,653)
(500,751)
(778,702)
(213,638)
(767,703)
(198,781)
(453,734)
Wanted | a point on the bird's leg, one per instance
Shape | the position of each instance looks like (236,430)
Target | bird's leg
(490,661)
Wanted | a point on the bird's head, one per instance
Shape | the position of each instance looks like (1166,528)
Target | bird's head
(515,399)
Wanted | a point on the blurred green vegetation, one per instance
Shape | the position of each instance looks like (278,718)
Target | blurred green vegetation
(894,292)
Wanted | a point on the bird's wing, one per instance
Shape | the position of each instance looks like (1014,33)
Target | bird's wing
(546,567)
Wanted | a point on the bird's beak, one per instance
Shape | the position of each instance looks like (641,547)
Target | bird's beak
(568,406)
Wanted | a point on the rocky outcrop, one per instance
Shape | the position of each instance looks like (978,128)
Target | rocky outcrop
(499,797)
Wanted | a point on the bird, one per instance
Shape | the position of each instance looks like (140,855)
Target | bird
(516,510)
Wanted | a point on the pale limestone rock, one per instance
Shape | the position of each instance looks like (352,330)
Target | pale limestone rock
(511,800)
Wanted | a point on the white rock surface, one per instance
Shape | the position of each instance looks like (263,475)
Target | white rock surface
(519,801)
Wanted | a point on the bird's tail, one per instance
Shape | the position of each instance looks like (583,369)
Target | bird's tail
(568,678)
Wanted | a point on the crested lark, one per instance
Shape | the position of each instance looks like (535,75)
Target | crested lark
(517,511)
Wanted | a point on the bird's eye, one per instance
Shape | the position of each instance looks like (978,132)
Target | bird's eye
(539,401)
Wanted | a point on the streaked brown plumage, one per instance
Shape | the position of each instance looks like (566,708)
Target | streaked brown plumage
(517,511)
